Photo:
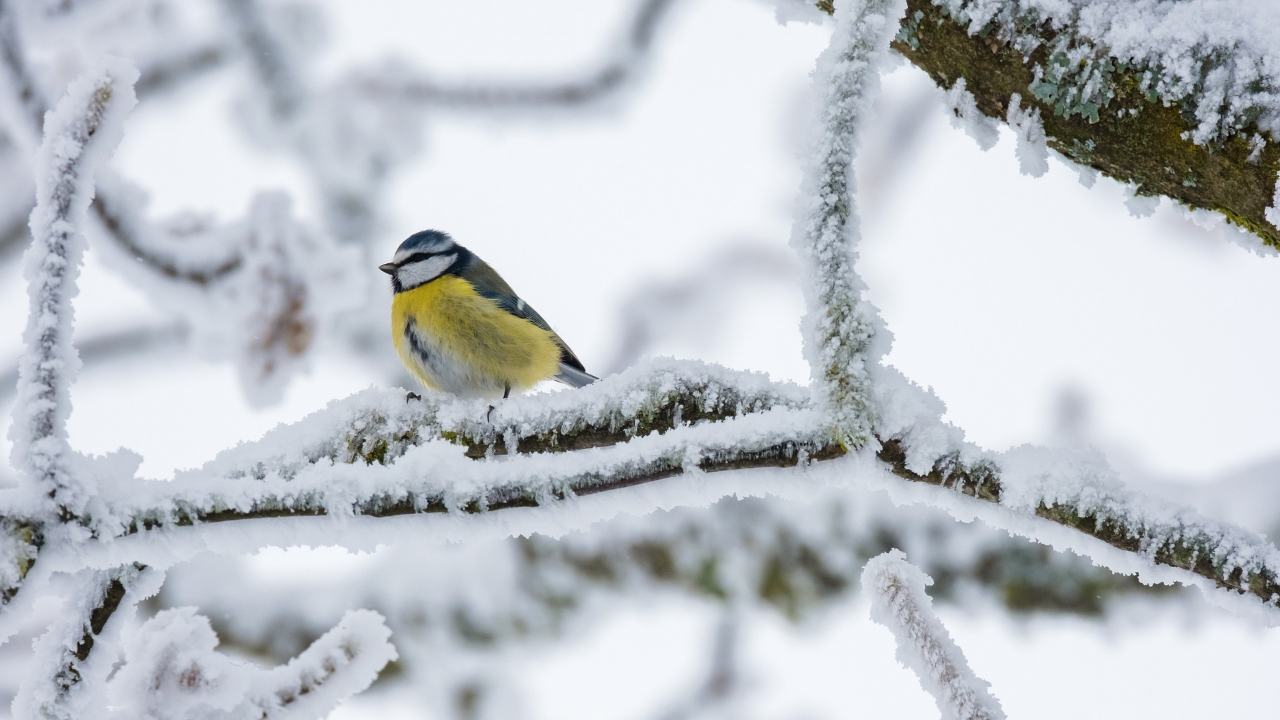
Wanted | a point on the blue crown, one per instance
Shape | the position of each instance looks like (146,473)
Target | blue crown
(429,241)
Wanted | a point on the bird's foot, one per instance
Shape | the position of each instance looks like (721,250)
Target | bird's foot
(488,415)
(412,396)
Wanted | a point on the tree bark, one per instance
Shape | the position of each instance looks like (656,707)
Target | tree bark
(1143,145)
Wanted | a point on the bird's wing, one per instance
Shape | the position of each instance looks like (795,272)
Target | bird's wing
(490,284)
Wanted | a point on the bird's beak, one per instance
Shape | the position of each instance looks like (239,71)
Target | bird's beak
(388,268)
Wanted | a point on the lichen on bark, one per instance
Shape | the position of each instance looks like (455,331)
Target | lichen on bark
(1126,132)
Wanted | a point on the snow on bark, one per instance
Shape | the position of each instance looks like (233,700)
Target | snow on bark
(173,672)
(1217,57)
(1156,540)
(840,325)
(899,602)
(65,678)
(17,551)
(351,467)
(965,115)
(1033,154)
(79,134)
(437,476)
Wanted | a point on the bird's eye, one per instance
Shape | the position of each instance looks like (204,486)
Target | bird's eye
(416,257)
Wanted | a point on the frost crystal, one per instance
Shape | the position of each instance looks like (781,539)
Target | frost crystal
(966,116)
(840,326)
(1141,205)
(1033,155)
(899,602)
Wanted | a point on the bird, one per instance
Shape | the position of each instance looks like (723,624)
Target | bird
(459,327)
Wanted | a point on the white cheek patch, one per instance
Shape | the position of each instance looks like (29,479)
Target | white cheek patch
(422,271)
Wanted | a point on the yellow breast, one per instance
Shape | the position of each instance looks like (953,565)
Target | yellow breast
(458,341)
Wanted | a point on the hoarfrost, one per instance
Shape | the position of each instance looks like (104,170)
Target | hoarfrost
(1033,154)
(1217,57)
(60,682)
(1140,205)
(966,116)
(839,325)
(80,133)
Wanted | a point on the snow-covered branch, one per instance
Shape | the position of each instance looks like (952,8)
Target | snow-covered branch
(260,278)
(898,601)
(1162,95)
(173,671)
(840,326)
(374,455)
(65,680)
(115,213)
(79,134)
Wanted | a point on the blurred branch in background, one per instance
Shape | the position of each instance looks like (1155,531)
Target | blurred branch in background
(407,84)
(109,346)
(795,558)
(698,296)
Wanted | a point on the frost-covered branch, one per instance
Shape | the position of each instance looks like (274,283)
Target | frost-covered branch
(114,209)
(374,455)
(1163,95)
(898,601)
(80,133)
(259,277)
(173,672)
(839,325)
(64,680)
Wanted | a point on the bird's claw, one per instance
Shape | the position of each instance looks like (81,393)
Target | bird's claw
(488,415)
(412,396)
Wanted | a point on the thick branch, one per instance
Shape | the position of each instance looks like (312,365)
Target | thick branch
(1119,124)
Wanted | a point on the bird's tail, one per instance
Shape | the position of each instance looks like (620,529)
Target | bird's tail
(574,377)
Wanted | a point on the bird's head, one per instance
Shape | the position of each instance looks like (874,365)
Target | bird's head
(421,258)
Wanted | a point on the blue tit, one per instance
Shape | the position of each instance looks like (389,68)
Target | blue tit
(460,328)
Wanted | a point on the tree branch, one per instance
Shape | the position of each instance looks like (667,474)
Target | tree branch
(374,455)
(1124,116)
(79,134)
